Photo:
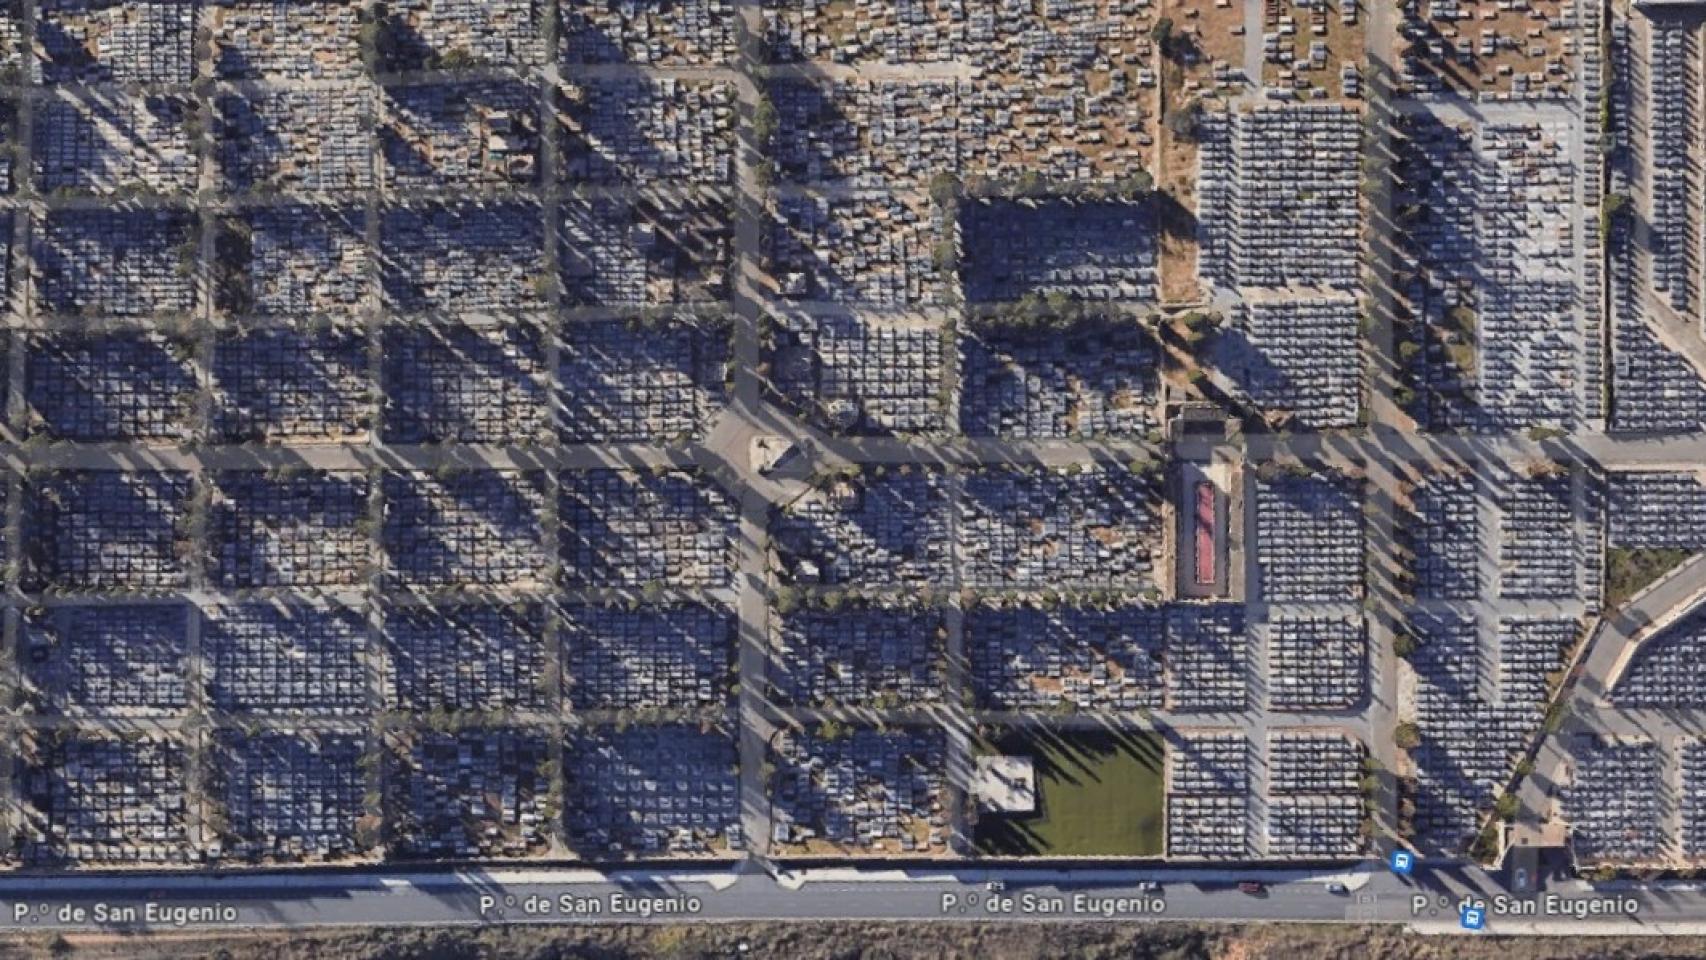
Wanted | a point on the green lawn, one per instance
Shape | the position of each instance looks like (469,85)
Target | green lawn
(1098,794)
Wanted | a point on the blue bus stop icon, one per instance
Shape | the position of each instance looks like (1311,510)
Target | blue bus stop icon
(1474,918)
(1403,861)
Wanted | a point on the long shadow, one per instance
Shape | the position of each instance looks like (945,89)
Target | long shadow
(278,382)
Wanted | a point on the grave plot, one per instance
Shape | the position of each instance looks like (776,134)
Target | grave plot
(1081,124)
(460,135)
(646,249)
(114,660)
(473,794)
(1209,762)
(1086,249)
(305,40)
(644,131)
(1539,555)
(1299,359)
(459,383)
(289,796)
(863,132)
(866,654)
(1691,763)
(885,528)
(868,30)
(1309,538)
(1664,671)
(641,382)
(1475,720)
(865,249)
(291,260)
(1066,91)
(649,32)
(464,528)
(6,545)
(1654,389)
(1316,663)
(6,266)
(115,41)
(1482,48)
(862,375)
(1445,538)
(460,34)
(1530,650)
(285,657)
(127,263)
(464,257)
(306,529)
(676,656)
(1314,48)
(1448,659)
(1656,511)
(1033,658)
(1208,789)
(295,139)
(111,142)
(864,792)
(1499,299)
(12,47)
(289,384)
(1093,378)
(106,530)
(1612,802)
(1281,197)
(1314,762)
(1675,220)
(90,799)
(622,529)
(121,385)
(10,132)
(467,657)
(670,790)
(1315,805)
(1207,654)
(1049,526)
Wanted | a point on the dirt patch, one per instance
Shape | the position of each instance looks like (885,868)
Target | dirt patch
(847,941)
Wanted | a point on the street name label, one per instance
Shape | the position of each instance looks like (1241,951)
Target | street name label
(148,914)
(1549,905)
(1050,905)
(494,907)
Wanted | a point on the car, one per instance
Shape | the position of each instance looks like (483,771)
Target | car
(995,886)
(1149,886)
(1253,888)
(1338,888)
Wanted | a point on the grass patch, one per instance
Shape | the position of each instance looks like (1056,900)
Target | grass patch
(1628,571)
(1099,793)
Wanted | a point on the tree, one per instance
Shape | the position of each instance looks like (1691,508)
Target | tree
(1404,645)
(944,188)
(764,122)
(1407,736)
(1505,808)
(1162,33)
(1184,122)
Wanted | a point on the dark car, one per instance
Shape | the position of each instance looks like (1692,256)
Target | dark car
(1253,888)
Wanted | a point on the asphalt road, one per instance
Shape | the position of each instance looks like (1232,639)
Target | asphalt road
(1428,901)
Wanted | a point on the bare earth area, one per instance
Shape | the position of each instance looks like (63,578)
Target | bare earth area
(863,941)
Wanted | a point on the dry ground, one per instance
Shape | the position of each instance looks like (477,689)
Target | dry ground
(858,942)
